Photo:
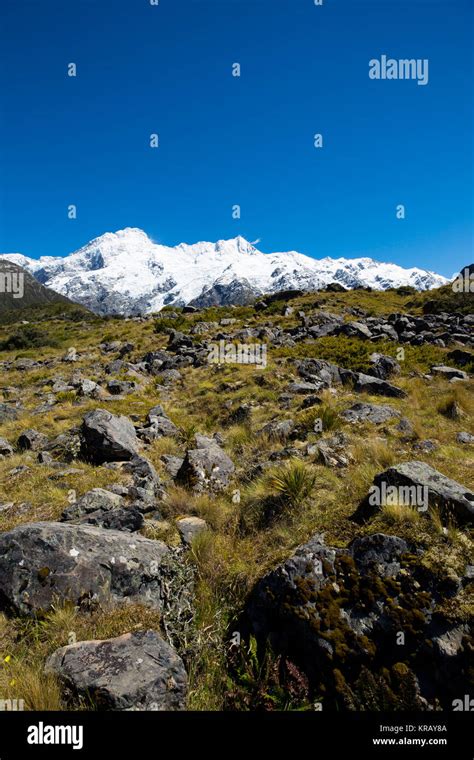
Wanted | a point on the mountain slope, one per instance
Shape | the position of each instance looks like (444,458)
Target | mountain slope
(21,293)
(126,272)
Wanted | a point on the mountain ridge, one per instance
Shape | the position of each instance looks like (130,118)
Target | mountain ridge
(125,272)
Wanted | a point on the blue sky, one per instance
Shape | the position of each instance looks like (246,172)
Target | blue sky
(143,69)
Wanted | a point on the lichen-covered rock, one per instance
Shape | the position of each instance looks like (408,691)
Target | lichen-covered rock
(43,562)
(136,671)
(359,623)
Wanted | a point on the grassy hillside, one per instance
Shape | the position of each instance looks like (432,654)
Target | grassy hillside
(244,540)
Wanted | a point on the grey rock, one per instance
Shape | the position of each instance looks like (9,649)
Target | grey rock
(107,437)
(304,388)
(363,412)
(405,427)
(383,366)
(278,430)
(71,355)
(32,440)
(87,387)
(6,449)
(121,387)
(206,469)
(45,458)
(7,413)
(452,498)
(379,552)
(134,672)
(144,474)
(355,330)
(110,346)
(367,384)
(91,501)
(190,527)
(43,562)
(172,464)
(450,373)
(427,447)
(332,451)
(114,367)
(156,411)
(465,438)
(159,427)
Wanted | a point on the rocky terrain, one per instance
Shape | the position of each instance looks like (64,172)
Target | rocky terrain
(179,533)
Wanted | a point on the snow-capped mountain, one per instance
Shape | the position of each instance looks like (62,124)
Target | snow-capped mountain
(125,272)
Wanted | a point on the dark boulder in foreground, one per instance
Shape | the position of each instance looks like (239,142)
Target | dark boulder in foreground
(359,623)
(136,671)
(41,563)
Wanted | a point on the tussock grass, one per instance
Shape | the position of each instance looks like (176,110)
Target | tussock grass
(394,514)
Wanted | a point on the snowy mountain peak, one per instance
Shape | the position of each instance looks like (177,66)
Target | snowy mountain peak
(126,272)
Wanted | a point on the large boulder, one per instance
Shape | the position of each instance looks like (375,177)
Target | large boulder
(451,498)
(107,437)
(136,671)
(359,623)
(43,562)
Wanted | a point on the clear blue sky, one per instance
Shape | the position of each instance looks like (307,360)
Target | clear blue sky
(248,140)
